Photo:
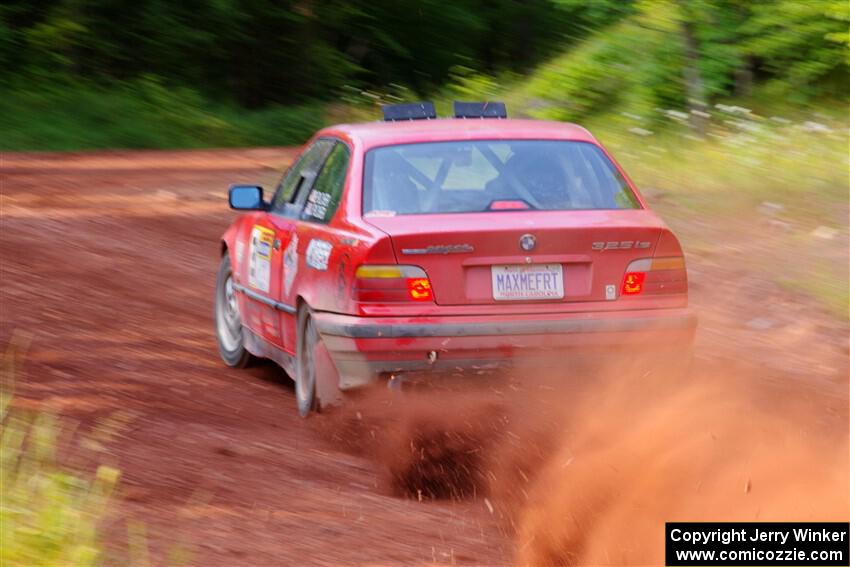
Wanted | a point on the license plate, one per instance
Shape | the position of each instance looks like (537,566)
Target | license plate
(525,282)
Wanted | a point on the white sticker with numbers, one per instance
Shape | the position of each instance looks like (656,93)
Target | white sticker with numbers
(318,254)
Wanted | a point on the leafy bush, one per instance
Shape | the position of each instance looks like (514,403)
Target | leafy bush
(602,73)
(804,44)
(145,113)
(640,63)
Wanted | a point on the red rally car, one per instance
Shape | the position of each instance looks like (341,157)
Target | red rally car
(417,243)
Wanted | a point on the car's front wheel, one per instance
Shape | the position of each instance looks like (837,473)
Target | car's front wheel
(228,323)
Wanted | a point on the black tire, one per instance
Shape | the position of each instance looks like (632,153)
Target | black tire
(229,332)
(305,369)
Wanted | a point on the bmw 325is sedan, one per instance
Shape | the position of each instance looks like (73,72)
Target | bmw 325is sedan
(417,244)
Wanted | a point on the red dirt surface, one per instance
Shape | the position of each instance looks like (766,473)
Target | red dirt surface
(109,260)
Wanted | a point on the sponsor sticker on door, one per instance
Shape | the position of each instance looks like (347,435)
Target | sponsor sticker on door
(527,282)
(260,257)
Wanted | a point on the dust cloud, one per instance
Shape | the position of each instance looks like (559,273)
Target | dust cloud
(584,467)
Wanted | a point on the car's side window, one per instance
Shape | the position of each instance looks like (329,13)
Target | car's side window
(304,170)
(327,190)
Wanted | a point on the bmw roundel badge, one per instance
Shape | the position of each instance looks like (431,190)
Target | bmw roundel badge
(527,242)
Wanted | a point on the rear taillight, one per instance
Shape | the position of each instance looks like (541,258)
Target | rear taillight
(419,289)
(655,275)
(379,284)
(633,283)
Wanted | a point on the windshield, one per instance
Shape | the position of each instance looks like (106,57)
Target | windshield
(491,175)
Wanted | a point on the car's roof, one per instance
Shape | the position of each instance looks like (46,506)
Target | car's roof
(372,134)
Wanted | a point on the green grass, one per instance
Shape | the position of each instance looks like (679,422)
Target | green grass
(776,186)
(773,190)
(48,516)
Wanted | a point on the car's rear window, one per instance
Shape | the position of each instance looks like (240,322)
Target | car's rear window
(491,175)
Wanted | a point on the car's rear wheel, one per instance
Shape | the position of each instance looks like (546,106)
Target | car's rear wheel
(305,364)
(229,333)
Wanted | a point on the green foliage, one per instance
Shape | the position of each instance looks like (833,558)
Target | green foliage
(465,84)
(805,46)
(603,73)
(48,516)
(144,113)
(639,63)
(259,52)
(198,73)
(593,16)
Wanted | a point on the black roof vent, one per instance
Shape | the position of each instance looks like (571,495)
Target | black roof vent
(480,110)
(410,111)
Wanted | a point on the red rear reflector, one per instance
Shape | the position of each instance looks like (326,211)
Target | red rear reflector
(508,205)
(633,283)
(419,289)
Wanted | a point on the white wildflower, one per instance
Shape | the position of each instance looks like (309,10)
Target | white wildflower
(677,115)
(816,127)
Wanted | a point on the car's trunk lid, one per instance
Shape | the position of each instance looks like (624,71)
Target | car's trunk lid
(466,254)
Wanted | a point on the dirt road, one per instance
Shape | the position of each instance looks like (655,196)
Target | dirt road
(109,260)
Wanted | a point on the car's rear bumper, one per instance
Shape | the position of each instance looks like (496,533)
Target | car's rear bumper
(363,347)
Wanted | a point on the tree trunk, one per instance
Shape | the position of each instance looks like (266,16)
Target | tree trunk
(744,78)
(694,87)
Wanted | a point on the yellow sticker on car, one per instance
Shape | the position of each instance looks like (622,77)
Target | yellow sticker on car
(260,258)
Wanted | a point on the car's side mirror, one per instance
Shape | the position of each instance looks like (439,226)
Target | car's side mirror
(247,198)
